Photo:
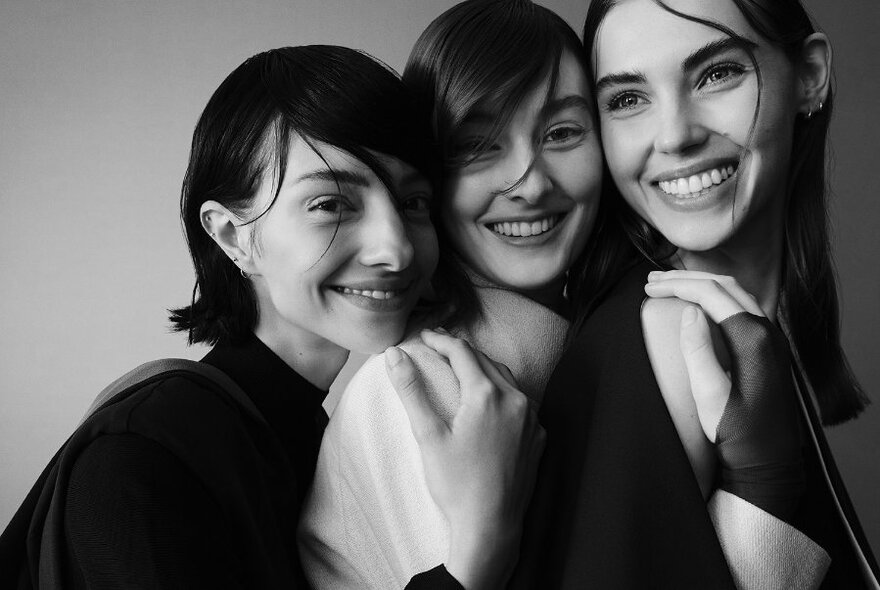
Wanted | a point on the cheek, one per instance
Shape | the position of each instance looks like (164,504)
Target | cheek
(622,146)
(460,206)
(424,241)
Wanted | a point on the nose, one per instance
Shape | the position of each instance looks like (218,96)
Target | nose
(384,240)
(679,128)
(528,169)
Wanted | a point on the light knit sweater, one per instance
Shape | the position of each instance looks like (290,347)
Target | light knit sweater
(370,521)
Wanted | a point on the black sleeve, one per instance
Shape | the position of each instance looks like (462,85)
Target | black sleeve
(434,579)
(136,517)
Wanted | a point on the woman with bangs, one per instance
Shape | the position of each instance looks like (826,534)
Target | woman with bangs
(306,206)
(713,116)
(505,86)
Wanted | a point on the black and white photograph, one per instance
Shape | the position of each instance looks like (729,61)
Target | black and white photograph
(437,294)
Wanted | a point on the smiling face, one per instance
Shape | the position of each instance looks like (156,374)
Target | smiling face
(345,263)
(522,210)
(677,100)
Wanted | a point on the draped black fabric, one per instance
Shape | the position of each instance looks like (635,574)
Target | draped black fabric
(617,504)
(245,477)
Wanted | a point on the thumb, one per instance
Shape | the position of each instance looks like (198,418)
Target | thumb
(404,376)
(710,384)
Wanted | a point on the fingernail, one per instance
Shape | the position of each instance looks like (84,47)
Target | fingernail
(688,316)
(441,330)
(653,275)
(393,356)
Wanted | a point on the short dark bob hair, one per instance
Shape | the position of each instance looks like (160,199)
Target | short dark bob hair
(334,95)
(481,54)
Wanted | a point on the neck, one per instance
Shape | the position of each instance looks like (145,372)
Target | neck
(316,359)
(755,264)
(551,296)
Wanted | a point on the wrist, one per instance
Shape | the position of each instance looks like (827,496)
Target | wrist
(776,488)
(483,559)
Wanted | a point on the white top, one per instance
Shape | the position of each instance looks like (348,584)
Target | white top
(370,522)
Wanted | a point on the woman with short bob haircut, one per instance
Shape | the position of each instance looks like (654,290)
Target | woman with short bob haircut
(306,206)
(714,116)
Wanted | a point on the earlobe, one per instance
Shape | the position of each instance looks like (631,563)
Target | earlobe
(228,232)
(814,73)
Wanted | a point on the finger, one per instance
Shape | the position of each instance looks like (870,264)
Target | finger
(405,379)
(728,283)
(497,371)
(710,384)
(475,383)
(715,300)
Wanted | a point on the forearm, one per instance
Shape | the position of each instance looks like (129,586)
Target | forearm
(763,551)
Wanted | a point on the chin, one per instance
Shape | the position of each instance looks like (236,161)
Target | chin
(698,240)
(375,340)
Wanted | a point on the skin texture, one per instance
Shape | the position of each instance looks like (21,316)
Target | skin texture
(564,179)
(298,258)
(682,119)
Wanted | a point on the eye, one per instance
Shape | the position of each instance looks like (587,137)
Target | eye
(625,101)
(416,205)
(721,73)
(564,134)
(330,204)
(472,148)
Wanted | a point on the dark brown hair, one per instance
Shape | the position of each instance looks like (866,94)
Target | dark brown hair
(808,300)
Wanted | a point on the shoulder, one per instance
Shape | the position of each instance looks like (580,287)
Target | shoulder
(661,326)
(183,397)
(661,322)
(370,396)
(188,416)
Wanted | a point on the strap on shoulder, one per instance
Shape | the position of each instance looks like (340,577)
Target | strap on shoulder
(153,369)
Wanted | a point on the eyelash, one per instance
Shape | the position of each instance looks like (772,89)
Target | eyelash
(336,200)
(419,199)
(573,132)
(613,104)
(734,69)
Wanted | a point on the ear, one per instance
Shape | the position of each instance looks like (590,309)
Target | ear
(814,73)
(230,233)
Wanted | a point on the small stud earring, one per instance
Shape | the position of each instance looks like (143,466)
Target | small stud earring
(235,260)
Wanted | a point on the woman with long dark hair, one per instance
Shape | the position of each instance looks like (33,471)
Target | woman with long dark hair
(714,116)
(306,206)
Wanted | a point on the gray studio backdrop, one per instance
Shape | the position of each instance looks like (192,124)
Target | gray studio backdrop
(98,100)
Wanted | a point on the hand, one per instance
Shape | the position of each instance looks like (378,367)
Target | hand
(753,418)
(481,468)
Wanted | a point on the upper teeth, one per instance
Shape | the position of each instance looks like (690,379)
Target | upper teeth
(525,228)
(369,293)
(695,184)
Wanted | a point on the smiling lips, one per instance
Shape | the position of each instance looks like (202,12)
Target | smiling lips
(372,294)
(524,228)
(694,185)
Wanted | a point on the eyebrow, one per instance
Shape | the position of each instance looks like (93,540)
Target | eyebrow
(551,107)
(713,48)
(560,104)
(341,176)
(691,62)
